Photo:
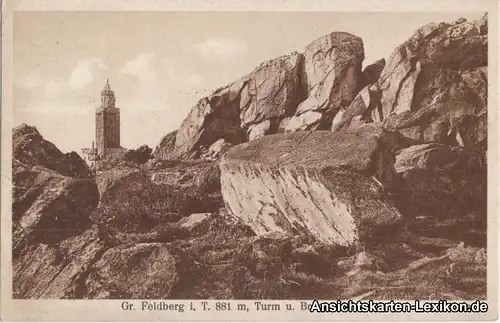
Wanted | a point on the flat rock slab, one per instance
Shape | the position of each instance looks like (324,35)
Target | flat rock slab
(327,185)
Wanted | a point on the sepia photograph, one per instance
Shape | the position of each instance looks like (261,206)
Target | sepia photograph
(249,155)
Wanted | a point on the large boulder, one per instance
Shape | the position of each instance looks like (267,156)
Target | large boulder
(31,149)
(139,271)
(213,117)
(57,271)
(53,241)
(166,147)
(337,194)
(272,92)
(434,86)
(440,181)
(333,75)
(265,96)
(48,207)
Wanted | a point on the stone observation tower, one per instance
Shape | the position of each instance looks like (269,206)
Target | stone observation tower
(107,123)
(107,128)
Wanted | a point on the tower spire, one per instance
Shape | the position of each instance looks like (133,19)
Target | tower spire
(107,88)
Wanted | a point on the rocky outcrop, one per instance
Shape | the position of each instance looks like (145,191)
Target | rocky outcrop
(434,86)
(49,207)
(214,117)
(358,112)
(126,272)
(333,76)
(166,147)
(137,200)
(53,241)
(30,149)
(260,99)
(272,253)
(354,212)
(288,93)
(367,100)
(272,92)
(57,270)
(441,181)
(336,194)
(52,192)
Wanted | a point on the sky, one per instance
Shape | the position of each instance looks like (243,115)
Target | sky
(159,64)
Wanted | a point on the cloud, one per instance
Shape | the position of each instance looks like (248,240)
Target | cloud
(83,73)
(220,48)
(142,68)
(80,76)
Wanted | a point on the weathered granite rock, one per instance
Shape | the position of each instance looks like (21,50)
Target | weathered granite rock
(367,100)
(425,155)
(275,183)
(441,181)
(166,147)
(57,271)
(372,71)
(434,82)
(333,75)
(273,90)
(291,92)
(53,241)
(140,271)
(482,24)
(259,130)
(213,117)
(138,156)
(332,71)
(309,120)
(215,151)
(48,207)
(269,93)
(31,149)
(138,200)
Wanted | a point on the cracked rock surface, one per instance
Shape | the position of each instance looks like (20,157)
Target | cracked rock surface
(336,194)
